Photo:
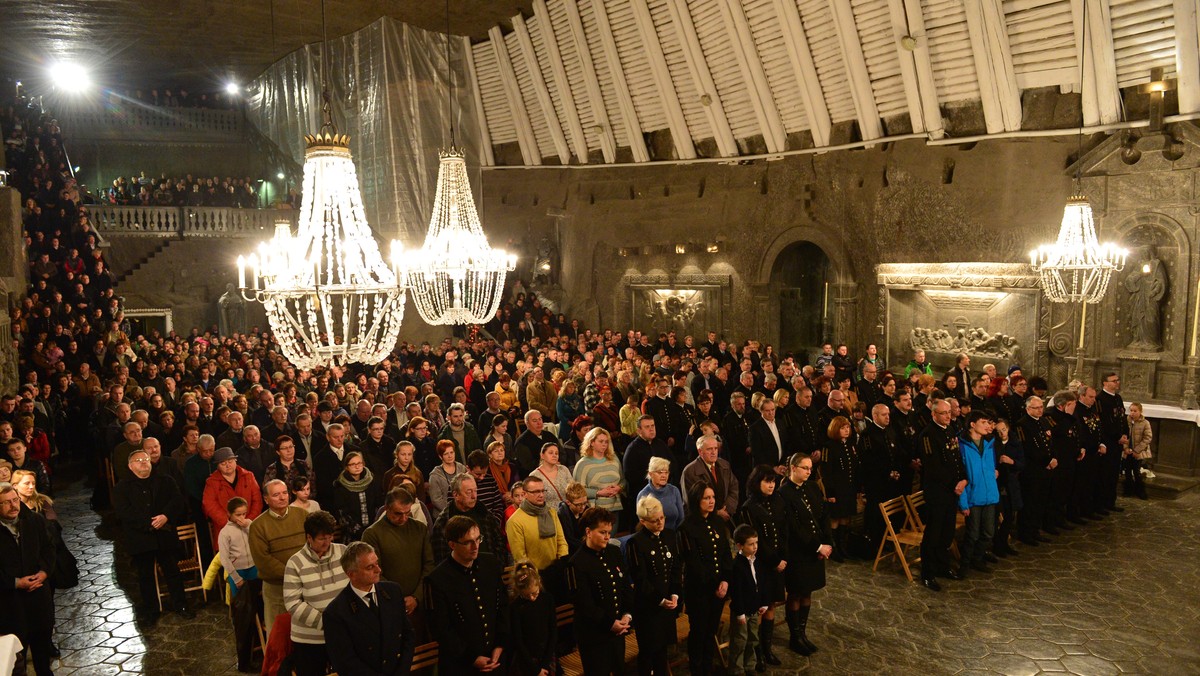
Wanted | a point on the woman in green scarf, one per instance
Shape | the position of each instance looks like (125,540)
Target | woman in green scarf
(357,497)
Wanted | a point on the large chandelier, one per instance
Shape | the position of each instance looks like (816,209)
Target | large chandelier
(330,298)
(456,277)
(1077,268)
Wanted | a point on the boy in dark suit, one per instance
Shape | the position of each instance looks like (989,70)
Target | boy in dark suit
(746,603)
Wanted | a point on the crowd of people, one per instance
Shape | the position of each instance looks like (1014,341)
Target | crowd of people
(178,97)
(458,492)
(187,191)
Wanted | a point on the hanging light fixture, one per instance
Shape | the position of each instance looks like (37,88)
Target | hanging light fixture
(329,296)
(456,277)
(1077,267)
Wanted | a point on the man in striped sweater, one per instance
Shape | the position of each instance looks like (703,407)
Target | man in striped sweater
(312,579)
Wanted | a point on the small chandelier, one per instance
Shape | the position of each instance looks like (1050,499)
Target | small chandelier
(1077,268)
(329,296)
(456,277)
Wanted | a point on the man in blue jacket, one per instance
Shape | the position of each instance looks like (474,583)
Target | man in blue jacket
(979,500)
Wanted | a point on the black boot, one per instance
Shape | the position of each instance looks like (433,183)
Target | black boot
(839,544)
(766,635)
(796,643)
(803,617)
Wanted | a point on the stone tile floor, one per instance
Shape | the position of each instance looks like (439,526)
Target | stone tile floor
(1118,596)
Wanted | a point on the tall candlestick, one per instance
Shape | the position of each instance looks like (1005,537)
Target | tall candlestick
(1082,325)
(825,306)
(1195,319)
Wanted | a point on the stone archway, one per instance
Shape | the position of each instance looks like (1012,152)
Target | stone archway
(799,308)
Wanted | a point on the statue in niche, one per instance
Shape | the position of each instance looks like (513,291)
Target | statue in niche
(1147,286)
(231,311)
(674,309)
(545,264)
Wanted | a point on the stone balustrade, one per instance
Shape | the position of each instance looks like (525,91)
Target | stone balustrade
(124,120)
(188,221)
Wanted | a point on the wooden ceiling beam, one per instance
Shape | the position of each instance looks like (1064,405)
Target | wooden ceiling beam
(805,71)
(540,89)
(869,126)
(993,65)
(916,69)
(745,52)
(487,158)
(1101,96)
(1187,55)
(516,103)
(562,83)
(693,56)
(680,134)
(608,44)
(608,143)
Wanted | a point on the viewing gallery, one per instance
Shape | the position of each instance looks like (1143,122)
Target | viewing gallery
(592,337)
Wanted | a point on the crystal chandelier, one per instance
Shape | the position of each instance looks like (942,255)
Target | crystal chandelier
(330,298)
(1076,268)
(456,277)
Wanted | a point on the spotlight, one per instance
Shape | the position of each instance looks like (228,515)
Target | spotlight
(279,176)
(70,77)
(232,88)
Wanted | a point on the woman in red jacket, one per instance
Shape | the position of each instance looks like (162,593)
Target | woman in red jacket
(229,481)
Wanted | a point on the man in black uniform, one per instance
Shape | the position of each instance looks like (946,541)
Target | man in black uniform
(736,430)
(470,604)
(1066,448)
(1087,472)
(943,479)
(26,560)
(905,425)
(801,422)
(1114,434)
(1040,465)
(603,597)
(883,462)
(656,567)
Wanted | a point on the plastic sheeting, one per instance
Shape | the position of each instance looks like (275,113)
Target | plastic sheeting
(389,89)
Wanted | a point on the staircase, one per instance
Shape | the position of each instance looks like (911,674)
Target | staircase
(128,270)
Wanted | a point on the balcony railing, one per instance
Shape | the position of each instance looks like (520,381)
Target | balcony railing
(151,122)
(188,221)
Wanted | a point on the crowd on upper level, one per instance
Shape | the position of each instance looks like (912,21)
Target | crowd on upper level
(189,190)
(178,97)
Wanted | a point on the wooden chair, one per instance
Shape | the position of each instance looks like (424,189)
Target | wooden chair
(902,541)
(189,566)
(108,473)
(425,656)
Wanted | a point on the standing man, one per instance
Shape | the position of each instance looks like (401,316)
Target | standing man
(715,471)
(533,530)
(405,555)
(1084,494)
(275,536)
(527,448)
(464,435)
(26,561)
(978,501)
(1114,434)
(883,463)
(962,372)
(465,502)
(943,480)
(768,440)
(636,460)
(366,627)
(1065,447)
(150,508)
(736,426)
(312,578)
(1040,467)
(470,604)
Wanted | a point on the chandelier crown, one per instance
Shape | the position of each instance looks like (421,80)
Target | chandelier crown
(327,139)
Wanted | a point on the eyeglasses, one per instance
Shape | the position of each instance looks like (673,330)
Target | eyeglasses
(535,492)
(469,543)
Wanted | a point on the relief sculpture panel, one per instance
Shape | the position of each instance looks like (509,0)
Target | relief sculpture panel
(687,311)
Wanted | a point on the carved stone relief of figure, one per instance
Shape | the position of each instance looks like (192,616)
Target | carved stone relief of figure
(972,340)
(231,311)
(1146,284)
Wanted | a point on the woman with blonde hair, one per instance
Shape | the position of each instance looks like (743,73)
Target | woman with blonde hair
(600,472)
(25,481)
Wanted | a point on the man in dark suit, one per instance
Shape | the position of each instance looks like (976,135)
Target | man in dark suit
(470,604)
(26,560)
(714,471)
(961,372)
(736,431)
(943,479)
(768,439)
(367,630)
(150,507)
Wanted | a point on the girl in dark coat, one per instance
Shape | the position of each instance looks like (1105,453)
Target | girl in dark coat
(763,510)
(841,473)
(533,625)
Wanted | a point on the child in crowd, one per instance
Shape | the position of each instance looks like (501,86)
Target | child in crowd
(746,603)
(234,547)
(1137,450)
(533,627)
(515,495)
(300,495)
(5,471)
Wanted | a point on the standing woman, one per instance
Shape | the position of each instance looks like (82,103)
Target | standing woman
(842,475)
(600,472)
(439,478)
(807,537)
(707,563)
(556,477)
(499,432)
(425,446)
(1010,460)
(569,407)
(657,572)
(763,511)
(356,497)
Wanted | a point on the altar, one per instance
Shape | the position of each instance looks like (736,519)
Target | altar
(1176,444)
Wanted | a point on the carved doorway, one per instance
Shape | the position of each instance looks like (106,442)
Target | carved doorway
(801,278)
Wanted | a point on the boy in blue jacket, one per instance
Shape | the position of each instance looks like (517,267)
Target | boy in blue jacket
(979,500)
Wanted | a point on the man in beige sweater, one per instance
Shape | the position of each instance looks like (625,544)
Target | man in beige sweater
(275,535)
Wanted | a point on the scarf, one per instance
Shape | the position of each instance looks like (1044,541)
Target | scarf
(545,518)
(356,486)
